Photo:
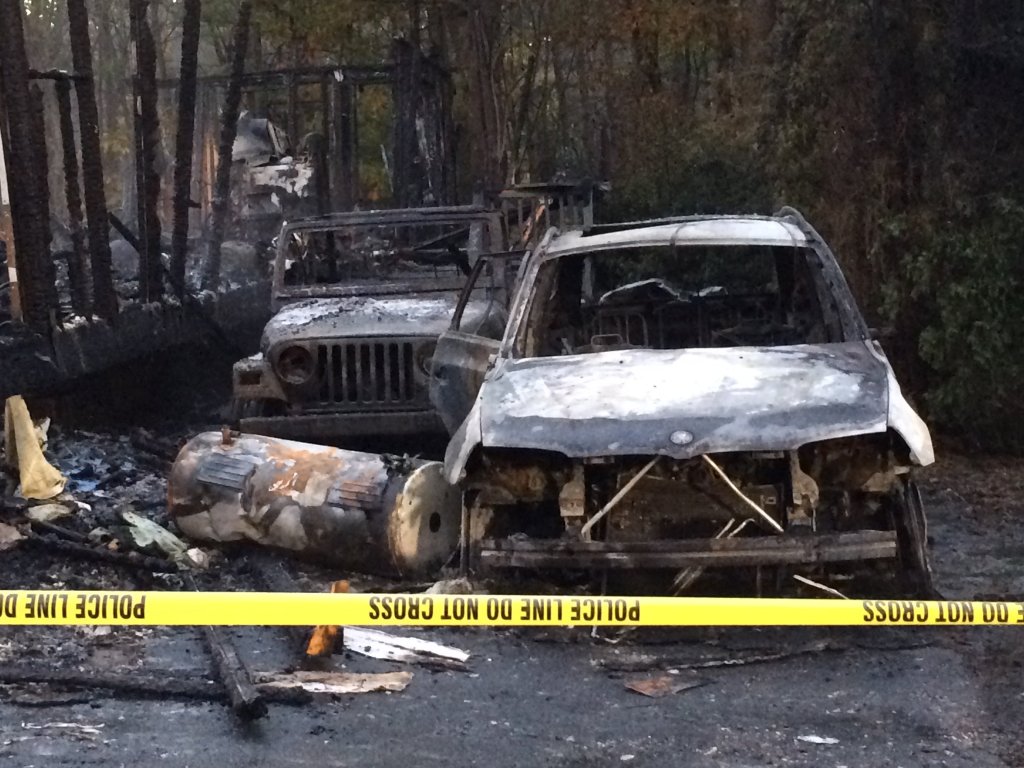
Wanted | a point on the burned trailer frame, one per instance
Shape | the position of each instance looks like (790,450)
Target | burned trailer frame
(323,104)
(657,440)
(350,359)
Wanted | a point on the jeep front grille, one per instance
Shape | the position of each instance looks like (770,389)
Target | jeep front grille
(377,372)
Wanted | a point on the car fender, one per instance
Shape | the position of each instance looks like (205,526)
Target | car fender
(465,440)
(903,419)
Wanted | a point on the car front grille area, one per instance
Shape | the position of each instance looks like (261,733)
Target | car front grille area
(373,372)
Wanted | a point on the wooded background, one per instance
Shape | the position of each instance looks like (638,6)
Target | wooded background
(895,125)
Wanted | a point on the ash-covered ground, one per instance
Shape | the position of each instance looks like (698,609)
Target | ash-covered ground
(748,697)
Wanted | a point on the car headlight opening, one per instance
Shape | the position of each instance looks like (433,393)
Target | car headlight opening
(295,365)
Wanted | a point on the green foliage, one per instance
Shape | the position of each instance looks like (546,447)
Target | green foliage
(968,278)
(670,170)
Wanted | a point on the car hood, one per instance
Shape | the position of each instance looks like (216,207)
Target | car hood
(684,403)
(359,316)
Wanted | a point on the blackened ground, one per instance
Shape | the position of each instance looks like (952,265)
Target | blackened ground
(847,697)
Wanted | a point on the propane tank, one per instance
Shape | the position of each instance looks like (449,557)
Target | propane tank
(378,514)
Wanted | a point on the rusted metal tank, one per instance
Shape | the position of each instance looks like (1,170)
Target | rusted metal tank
(361,511)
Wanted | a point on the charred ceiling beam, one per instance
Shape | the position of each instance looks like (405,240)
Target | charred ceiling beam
(104,297)
(229,129)
(184,142)
(147,140)
(78,267)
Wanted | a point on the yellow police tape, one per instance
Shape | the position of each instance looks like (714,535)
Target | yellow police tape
(24,607)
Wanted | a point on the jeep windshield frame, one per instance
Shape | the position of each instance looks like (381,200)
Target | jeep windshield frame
(487,238)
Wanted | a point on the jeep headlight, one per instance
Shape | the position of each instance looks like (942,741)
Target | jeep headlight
(295,365)
(425,356)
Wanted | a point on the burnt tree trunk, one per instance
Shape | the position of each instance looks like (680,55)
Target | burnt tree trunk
(184,143)
(148,125)
(104,298)
(646,57)
(484,29)
(31,230)
(78,267)
(228,131)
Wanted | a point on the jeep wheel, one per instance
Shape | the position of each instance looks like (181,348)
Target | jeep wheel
(912,541)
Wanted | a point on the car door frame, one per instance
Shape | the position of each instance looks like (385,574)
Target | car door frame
(461,359)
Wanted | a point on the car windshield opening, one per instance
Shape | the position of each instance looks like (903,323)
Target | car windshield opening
(675,298)
(423,256)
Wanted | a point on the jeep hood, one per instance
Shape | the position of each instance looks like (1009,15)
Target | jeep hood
(360,316)
(683,403)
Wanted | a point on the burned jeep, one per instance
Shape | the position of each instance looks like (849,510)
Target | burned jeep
(676,395)
(360,300)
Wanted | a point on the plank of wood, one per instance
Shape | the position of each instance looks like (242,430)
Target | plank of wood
(408,650)
(337,682)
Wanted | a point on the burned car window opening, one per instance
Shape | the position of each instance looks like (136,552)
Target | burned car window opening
(673,297)
(372,255)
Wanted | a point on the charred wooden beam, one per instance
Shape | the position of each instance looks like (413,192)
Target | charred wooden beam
(145,685)
(184,142)
(104,297)
(323,183)
(404,88)
(139,150)
(147,140)
(134,560)
(59,531)
(78,265)
(45,275)
(293,112)
(229,129)
(56,75)
(346,143)
(364,75)
(232,673)
(18,118)
(122,229)
(270,572)
(450,141)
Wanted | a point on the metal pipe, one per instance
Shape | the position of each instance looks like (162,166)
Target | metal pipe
(746,499)
(585,530)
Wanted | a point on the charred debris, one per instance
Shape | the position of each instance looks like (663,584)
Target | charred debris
(184,254)
(656,397)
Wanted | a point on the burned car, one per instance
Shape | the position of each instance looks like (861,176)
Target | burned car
(681,394)
(360,301)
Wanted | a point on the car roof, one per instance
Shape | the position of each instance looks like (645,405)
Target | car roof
(696,230)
